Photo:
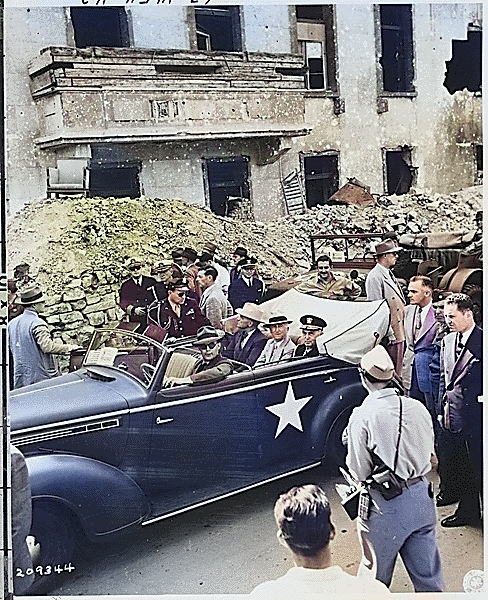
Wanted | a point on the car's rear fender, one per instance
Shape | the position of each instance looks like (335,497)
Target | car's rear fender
(335,409)
(104,499)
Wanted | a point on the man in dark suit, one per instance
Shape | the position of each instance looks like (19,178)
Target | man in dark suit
(248,342)
(178,315)
(136,293)
(311,328)
(461,364)
(246,287)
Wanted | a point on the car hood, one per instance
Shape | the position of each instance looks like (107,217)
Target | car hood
(63,399)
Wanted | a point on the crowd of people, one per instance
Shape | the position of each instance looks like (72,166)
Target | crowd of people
(433,349)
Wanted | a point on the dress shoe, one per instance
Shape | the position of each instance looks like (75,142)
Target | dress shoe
(445,499)
(457,521)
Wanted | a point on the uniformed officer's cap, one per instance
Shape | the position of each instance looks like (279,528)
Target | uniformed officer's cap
(312,322)
(378,364)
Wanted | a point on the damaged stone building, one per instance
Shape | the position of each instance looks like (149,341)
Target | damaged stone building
(251,110)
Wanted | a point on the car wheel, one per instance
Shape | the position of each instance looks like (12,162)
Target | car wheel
(335,450)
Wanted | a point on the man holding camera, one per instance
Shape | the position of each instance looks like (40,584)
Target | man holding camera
(390,441)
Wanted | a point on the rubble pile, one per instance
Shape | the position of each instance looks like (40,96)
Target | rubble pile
(77,246)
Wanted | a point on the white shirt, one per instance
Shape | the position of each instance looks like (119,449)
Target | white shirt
(373,426)
(423,312)
(332,583)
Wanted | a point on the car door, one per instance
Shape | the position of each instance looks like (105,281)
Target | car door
(203,442)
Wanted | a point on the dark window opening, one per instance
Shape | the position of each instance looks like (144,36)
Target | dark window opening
(105,27)
(227,184)
(321,178)
(399,172)
(478,149)
(316,39)
(218,29)
(464,68)
(113,172)
(396,47)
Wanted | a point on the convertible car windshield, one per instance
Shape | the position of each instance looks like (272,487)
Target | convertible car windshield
(126,351)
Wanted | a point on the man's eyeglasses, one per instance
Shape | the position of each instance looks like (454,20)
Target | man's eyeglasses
(181,294)
(209,346)
(394,253)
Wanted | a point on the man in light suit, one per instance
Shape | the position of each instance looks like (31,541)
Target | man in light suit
(280,345)
(420,326)
(381,284)
(461,364)
(248,342)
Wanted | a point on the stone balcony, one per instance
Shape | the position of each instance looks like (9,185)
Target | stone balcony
(136,95)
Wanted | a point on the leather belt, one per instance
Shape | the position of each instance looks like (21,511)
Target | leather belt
(406,483)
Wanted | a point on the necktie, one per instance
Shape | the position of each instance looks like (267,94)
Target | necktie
(418,322)
(459,345)
(244,338)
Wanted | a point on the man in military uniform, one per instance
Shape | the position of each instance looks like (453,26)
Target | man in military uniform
(327,284)
(311,328)
(136,293)
(178,315)
(211,367)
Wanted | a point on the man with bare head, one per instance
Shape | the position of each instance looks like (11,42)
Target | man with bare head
(302,516)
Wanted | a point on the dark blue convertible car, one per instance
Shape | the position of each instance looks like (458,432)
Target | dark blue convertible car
(108,448)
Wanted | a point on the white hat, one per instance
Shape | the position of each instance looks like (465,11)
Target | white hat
(378,364)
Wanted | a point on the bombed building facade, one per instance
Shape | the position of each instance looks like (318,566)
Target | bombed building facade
(251,110)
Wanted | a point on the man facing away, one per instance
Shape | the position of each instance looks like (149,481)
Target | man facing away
(394,433)
(31,343)
(381,284)
(302,516)
(248,342)
(280,346)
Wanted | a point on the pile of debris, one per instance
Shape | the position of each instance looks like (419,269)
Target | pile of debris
(77,247)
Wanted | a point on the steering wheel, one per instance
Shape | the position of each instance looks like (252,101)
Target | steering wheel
(147,371)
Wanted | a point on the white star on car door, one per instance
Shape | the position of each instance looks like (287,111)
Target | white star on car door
(289,410)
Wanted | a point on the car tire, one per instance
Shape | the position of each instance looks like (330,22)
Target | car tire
(335,451)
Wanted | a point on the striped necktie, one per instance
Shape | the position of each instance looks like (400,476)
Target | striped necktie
(459,345)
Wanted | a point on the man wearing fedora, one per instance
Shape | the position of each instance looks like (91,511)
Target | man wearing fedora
(211,367)
(246,287)
(136,293)
(311,328)
(248,342)
(177,315)
(237,258)
(280,346)
(381,284)
(390,440)
(31,343)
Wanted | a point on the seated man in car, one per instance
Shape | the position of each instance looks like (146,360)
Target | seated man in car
(311,328)
(280,346)
(211,366)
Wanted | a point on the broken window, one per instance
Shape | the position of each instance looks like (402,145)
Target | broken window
(113,172)
(398,171)
(464,68)
(227,184)
(316,41)
(105,26)
(218,28)
(321,178)
(396,47)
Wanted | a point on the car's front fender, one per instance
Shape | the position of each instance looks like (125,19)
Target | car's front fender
(104,499)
